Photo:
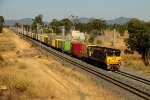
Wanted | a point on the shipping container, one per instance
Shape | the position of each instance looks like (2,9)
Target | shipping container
(36,36)
(56,43)
(53,43)
(76,49)
(60,44)
(25,32)
(50,37)
(33,35)
(49,41)
(64,45)
(29,34)
(44,39)
(39,37)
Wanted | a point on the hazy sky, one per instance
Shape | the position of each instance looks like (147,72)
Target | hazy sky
(58,9)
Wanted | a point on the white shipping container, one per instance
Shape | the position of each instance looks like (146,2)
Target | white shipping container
(76,35)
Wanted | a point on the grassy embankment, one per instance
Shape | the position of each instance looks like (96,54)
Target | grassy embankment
(17,80)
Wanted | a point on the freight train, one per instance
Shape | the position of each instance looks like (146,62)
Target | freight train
(108,57)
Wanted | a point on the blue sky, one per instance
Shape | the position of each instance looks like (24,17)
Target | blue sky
(58,9)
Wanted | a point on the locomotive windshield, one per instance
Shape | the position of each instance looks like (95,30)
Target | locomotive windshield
(115,53)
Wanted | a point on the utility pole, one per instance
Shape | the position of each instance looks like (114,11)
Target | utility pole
(22,31)
(63,32)
(63,36)
(71,34)
(38,27)
(38,32)
(114,38)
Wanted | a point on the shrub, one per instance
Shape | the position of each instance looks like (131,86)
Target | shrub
(21,86)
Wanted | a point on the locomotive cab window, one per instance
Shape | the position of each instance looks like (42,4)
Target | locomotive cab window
(109,53)
(117,54)
(113,54)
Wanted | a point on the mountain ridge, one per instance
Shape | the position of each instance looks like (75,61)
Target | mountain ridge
(120,20)
(28,21)
(24,21)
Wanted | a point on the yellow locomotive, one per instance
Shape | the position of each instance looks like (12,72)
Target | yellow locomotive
(108,56)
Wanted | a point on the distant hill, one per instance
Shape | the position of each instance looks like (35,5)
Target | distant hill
(120,20)
(25,21)
(84,20)
(28,21)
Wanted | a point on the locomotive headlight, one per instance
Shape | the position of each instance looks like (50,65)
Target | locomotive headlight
(107,60)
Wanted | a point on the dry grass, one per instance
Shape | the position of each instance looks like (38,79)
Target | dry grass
(5,44)
(22,86)
(14,73)
(3,62)
(135,61)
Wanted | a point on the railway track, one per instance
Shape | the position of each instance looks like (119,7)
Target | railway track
(142,80)
(123,85)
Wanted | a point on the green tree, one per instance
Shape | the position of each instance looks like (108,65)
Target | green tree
(93,34)
(17,24)
(98,24)
(27,27)
(121,29)
(81,27)
(67,23)
(1,23)
(75,22)
(55,25)
(37,20)
(139,38)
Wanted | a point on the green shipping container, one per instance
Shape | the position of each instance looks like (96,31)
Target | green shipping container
(64,45)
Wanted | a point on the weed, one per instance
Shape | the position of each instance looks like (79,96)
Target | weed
(2,62)
(21,86)
(6,46)
(1,58)
(22,66)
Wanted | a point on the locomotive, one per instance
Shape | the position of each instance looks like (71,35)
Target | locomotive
(108,56)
